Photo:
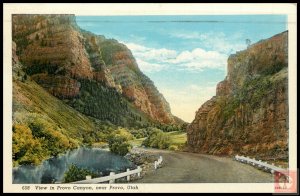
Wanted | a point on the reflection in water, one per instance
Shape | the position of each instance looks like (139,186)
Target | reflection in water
(53,169)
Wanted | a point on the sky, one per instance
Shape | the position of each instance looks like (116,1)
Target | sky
(185,56)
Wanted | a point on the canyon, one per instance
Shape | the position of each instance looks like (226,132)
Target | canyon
(249,114)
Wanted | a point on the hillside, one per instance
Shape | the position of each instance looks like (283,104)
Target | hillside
(97,76)
(43,126)
(249,114)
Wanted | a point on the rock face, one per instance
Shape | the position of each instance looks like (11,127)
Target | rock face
(249,114)
(58,55)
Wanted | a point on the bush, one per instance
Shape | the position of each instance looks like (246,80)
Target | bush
(53,140)
(118,141)
(173,147)
(75,173)
(36,139)
(25,148)
(157,139)
(139,133)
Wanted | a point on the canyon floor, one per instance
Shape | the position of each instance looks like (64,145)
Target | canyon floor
(184,167)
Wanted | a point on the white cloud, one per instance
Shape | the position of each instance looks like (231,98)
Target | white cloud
(216,41)
(149,67)
(198,59)
(190,35)
(153,59)
(151,54)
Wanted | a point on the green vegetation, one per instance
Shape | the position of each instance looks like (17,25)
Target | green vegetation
(38,66)
(177,140)
(105,103)
(75,173)
(118,141)
(37,139)
(171,128)
(251,94)
(44,126)
(253,91)
(25,148)
(273,69)
(157,139)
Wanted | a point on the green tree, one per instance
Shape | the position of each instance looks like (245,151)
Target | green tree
(37,37)
(118,141)
(157,139)
(75,173)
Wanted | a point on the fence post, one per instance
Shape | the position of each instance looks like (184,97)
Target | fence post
(88,177)
(112,180)
(272,171)
(128,177)
(139,173)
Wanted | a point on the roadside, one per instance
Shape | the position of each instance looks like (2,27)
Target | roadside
(183,167)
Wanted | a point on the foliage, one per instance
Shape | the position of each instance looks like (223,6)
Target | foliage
(53,126)
(36,139)
(53,140)
(273,69)
(25,148)
(170,128)
(38,66)
(157,139)
(173,147)
(251,94)
(75,173)
(93,101)
(140,133)
(118,141)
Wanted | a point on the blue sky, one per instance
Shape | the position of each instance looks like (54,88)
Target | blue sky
(185,56)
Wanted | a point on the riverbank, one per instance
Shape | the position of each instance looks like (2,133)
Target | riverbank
(143,158)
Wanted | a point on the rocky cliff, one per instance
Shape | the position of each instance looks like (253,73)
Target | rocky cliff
(249,114)
(67,61)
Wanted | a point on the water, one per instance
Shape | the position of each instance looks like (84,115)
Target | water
(52,170)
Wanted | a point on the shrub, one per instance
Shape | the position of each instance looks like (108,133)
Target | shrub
(157,139)
(118,141)
(139,133)
(75,173)
(25,148)
(173,147)
(35,138)
(53,140)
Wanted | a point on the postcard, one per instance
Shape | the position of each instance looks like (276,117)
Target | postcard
(150,98)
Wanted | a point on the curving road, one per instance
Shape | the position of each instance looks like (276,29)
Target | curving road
(183,167)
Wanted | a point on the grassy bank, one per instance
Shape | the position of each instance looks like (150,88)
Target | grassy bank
(177,140)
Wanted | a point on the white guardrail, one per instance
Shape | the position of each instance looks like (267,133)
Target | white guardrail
(113,176)
(158,162)
(260,164)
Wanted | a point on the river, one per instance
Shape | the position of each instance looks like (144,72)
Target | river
(53,169)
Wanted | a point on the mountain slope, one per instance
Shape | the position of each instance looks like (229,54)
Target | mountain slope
(249,114)
(72,64)
(43,125)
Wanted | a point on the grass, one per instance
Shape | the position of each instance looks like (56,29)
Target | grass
(178,140)
(137,142)
(33,98)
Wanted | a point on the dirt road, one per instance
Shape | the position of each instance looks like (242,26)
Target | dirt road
(182,167)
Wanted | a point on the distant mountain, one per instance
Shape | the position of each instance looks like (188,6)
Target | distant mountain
(98,77)
(249,114)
